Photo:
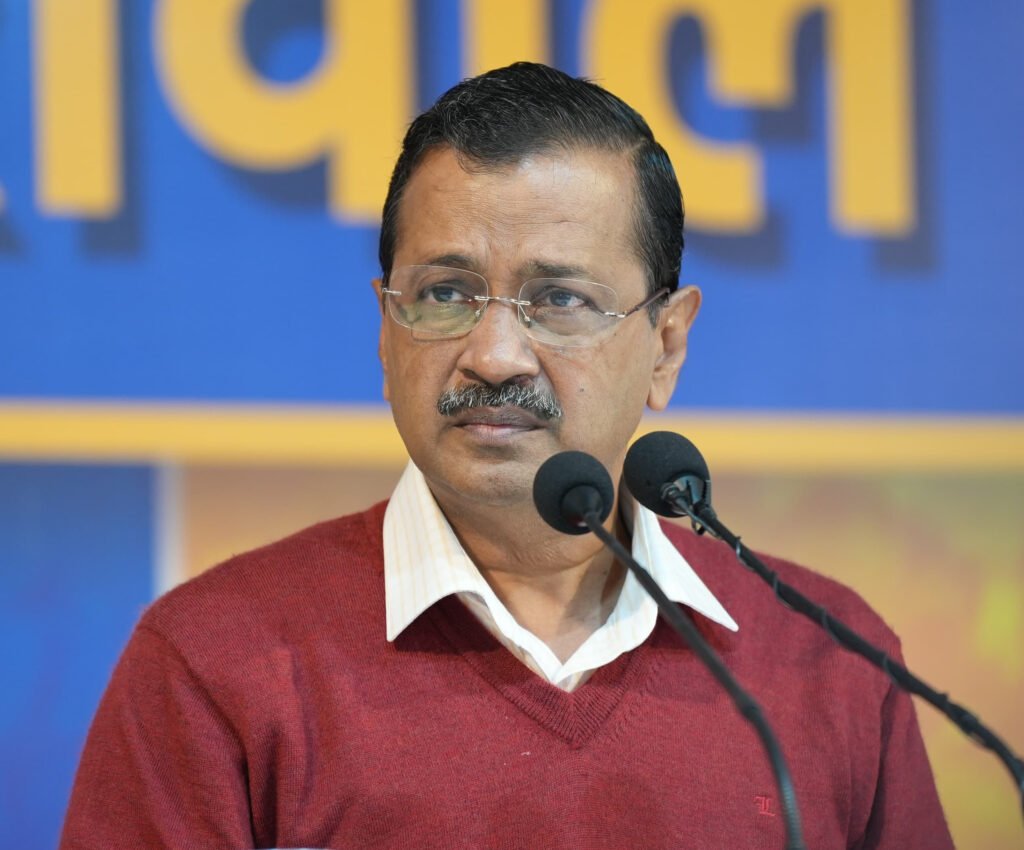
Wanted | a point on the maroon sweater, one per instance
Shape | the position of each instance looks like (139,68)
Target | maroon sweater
(260,705)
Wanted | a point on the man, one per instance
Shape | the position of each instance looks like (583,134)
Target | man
(448,671)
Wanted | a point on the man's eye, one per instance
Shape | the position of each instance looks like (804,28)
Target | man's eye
(561,299)
(445,293)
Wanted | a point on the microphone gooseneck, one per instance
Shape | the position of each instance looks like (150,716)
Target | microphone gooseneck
(660,469)
(573,493)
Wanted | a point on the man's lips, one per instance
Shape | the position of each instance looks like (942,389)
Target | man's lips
(497,417)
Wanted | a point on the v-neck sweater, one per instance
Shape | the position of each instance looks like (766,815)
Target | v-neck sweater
(260,705)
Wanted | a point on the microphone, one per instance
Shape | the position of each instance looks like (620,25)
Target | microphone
(663,462)
(573,493)
(667,474)
(570,485)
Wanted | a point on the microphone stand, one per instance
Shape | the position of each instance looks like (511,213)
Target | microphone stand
(704,519)
(745,704)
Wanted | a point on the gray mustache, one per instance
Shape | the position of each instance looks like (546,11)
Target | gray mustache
(541,403)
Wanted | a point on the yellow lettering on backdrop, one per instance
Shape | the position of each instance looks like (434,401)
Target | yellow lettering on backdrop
(499,32)
(871,132)
(352,109)
(77,107)
(750,45)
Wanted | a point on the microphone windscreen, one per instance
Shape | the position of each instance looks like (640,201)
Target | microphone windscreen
(656,459)
(566,479)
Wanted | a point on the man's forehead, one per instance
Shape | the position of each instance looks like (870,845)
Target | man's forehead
(530,267)
(575,187)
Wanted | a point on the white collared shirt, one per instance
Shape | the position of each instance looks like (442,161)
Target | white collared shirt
(424,562)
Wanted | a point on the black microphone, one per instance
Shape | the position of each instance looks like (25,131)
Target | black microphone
(668,474)
(570,485)
(663,462)
(573,494)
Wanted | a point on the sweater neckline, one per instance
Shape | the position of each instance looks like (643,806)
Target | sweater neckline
(574,716)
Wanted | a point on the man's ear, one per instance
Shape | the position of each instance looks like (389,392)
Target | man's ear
(673,330)
(378,284)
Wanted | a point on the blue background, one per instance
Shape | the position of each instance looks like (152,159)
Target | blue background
(219,283)
(75,543)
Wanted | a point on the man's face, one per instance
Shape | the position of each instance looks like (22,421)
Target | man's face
(570,211)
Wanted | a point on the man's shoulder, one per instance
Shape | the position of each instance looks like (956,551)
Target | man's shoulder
(327,572)
(750,600)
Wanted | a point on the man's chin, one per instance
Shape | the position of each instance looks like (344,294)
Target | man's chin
(493,481)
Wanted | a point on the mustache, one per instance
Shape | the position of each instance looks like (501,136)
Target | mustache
(540,402)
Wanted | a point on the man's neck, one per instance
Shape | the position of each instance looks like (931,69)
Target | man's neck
(560,587)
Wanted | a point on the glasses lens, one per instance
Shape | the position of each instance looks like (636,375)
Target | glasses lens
(436,301)
(568,312)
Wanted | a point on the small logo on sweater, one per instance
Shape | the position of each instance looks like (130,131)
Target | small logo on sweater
(765,805)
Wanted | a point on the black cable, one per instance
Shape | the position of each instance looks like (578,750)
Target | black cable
(704,516)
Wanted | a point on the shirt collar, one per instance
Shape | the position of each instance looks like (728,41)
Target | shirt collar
(425,562)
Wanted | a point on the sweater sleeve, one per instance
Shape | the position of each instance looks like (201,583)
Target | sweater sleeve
(906,814)
(162,767)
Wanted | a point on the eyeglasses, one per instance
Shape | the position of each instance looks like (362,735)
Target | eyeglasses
(436,302)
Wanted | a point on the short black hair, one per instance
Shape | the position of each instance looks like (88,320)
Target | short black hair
(500,117)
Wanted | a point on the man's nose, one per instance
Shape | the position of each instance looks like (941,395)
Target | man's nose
(498,349)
